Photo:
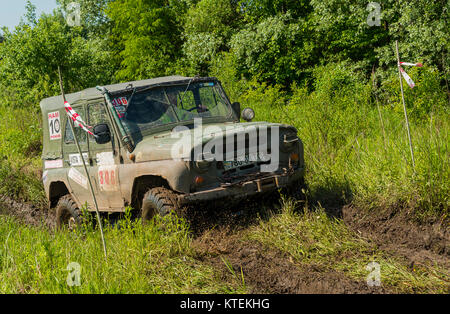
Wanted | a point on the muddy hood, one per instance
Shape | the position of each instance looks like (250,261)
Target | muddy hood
(178,144)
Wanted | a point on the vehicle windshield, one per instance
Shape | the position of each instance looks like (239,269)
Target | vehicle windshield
(142,111)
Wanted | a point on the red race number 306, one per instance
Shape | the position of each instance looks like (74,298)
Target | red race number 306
(107,177)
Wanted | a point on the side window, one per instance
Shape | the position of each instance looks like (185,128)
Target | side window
(98,115)
(68,135)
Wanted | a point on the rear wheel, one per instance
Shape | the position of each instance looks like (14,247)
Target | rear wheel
(67,213)
(159,201)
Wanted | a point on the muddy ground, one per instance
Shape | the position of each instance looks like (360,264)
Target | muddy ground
(218,242)
(268,270)
(27,213)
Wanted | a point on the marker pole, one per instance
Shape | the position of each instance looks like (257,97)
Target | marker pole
(85,168)
(404,107)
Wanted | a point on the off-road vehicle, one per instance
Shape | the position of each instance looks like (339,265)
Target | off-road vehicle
(161,144)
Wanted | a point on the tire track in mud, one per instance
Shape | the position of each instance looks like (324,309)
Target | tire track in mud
(394,232)
(26,213)
(268,270)
(219,241)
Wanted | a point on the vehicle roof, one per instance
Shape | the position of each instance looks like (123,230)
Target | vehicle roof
(55,102)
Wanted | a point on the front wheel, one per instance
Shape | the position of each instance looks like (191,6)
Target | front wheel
(159,201)
(67,213)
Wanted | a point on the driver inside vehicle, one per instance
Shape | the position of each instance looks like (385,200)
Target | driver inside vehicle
(183,115)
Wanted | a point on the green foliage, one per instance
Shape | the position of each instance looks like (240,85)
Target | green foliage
(94,21)
(426,97)
(422,29)
(31,55)
(351,155)
(277,50)
(208,28)
(256,10)
(315,239)
(342,32)
(146,36)
(20,154)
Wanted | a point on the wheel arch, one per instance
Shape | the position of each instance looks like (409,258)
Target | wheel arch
(57,190)
(142,184)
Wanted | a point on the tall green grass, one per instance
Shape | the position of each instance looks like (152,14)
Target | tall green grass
(20,154)
(357,153)
(152,258)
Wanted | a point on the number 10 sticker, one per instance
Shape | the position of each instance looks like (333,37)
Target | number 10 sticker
(54,125)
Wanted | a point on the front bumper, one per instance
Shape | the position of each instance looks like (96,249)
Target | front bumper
(244,188)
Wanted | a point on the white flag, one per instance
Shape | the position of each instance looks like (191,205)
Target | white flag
(407,78)
(412,64)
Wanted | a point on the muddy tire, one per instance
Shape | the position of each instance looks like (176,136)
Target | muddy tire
(67,213)
(159,201)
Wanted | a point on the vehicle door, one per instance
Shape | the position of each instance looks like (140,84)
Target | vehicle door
(72,161)
(105,159)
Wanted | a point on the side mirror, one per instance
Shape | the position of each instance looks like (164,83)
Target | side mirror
(248,114)
(237,108)
(103,134)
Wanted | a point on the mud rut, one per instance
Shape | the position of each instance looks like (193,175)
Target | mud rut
(217,239)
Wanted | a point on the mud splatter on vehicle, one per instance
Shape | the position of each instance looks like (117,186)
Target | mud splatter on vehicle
(161,144)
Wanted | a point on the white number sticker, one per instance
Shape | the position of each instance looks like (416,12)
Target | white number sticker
(54,125)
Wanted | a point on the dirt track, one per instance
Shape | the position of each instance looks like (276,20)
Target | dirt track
(268,270)
(27,213)
(393,232)
(271,271)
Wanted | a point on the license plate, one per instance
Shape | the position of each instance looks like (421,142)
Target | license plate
(248,160)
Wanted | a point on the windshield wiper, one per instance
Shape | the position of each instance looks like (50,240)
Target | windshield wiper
(130,100)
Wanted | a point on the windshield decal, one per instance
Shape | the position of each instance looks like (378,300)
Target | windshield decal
(120,104)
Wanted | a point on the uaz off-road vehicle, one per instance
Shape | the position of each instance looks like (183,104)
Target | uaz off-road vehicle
(162,144)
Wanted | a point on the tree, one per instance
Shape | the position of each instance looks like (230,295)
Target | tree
(146,37)
(277,50)
(93,16)
(254,11)
(30,56)
(208,28)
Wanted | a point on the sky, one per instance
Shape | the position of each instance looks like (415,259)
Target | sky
(12,10)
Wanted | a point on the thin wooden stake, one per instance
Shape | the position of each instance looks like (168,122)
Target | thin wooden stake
(404,107)
(378,107)
(85,168)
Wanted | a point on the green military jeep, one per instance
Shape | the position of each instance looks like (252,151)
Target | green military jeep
(159,145)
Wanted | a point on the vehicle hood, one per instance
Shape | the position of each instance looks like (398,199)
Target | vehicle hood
(169,145)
